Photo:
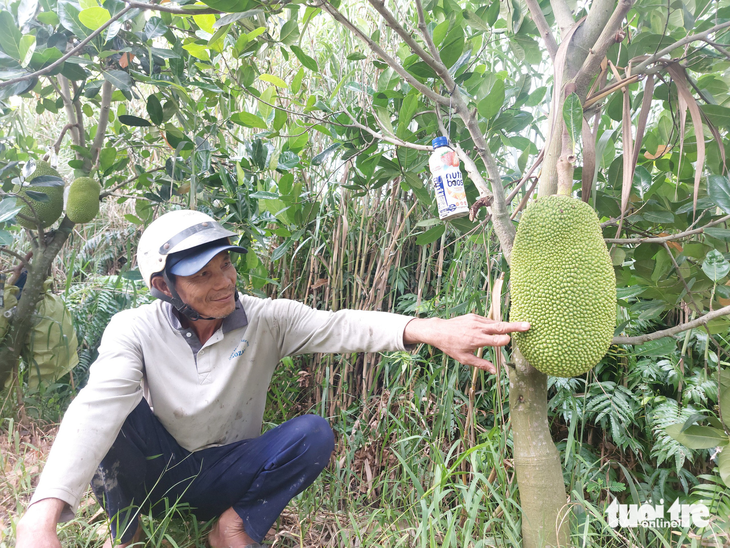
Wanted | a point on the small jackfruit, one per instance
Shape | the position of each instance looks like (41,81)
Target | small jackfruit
(83,200)
(563,283)
(49,211)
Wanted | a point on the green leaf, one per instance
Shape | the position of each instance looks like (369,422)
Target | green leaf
(322,156)
(248,120)
(280,251)
(6,238)
(230,6)
(723,465)
(154,28)
(718,233)
(119,79)
(453,46)
(133,219)
(407,110)
(280,118)
(9,35)
(107,157)
(136,121)
(719,116)
(490,105)
(68,13)
(431,235)
(475,22)
(205,21)
(657,348)
(264,195)
(289,32)
(74,72)
(698,437)
(8,209)
(305,59)
(718,187)
(48,18)
(357,56)
(573,116)
(27,47)
(271,79)
(154,109)
(715,266)
(199,51)
(296,84)
(93,18)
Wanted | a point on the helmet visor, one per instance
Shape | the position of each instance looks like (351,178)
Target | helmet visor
(187,263)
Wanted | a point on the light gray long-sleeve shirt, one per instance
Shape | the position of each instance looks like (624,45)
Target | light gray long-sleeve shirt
(204,395)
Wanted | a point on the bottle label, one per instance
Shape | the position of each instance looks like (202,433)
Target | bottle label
(450,194)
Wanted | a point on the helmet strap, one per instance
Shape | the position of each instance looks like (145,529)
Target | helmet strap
(188,311)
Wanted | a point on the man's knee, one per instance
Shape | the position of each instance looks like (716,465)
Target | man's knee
(318,436)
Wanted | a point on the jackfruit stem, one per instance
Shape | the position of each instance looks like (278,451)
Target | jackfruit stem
(565,174)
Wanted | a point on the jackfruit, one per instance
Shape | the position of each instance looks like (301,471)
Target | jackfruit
(563,283)
(48,212)
(83,200)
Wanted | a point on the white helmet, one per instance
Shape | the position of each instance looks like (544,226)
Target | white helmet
(170,234)
(173,232)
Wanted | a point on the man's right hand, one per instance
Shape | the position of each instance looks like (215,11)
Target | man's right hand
(37,528)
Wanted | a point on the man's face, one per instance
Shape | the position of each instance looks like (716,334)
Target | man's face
(210,291)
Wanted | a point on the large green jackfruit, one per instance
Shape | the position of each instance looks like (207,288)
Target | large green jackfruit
(563,283)
(83,200)
(49,211)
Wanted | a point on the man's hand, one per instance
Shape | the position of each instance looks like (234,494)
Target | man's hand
(37,528)
(460,337)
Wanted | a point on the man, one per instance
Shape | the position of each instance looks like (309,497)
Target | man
(174,404)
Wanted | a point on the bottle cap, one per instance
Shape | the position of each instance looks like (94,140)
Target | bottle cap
(440,142)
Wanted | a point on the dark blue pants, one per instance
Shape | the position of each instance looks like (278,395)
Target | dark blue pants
(147,470)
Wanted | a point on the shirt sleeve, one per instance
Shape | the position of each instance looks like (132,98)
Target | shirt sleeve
(95,417)
(304,330)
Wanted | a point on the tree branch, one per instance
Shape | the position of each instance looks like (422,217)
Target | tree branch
(424,31)
(610,35)
(701,321)
(393,23)
(563,16)
(587,34)
(57,144)
(395,65)
(641,67)
(123,183)
(671,237)
(102,28)
(543,28)
(392,140)
(69,53)
(68,107)
(106,100)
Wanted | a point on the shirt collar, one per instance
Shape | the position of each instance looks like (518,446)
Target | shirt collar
(235,320)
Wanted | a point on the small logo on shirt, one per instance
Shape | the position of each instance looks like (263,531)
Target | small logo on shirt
(239,350)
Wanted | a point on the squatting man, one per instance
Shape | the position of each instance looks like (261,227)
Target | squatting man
(174,404)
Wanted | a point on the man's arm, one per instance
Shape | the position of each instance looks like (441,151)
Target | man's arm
(37,527)
(460,337)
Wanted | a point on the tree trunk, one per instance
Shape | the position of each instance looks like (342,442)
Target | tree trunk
(537,461)
(22,321)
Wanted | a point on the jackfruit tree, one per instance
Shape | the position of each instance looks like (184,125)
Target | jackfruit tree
(232,107)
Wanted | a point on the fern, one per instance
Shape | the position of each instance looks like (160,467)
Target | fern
(665,447)
(92,305)
(613,407)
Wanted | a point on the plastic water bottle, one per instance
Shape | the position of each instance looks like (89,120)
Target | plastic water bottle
(447,181)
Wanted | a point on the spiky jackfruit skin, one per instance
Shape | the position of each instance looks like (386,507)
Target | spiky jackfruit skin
(83,200)
(563,283)
(48,212)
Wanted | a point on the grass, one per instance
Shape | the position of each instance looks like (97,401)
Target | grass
(403,475)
